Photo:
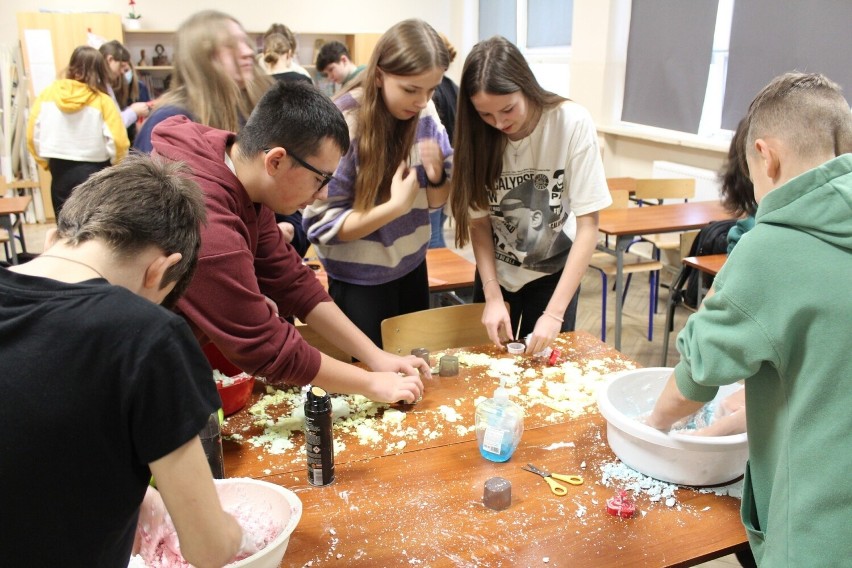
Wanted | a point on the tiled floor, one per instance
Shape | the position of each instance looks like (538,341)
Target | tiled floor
(634,341)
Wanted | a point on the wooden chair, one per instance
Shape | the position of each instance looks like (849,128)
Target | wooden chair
(605,263)
(435,329)
(4,238)
(318,341)
(626,183)
(654,191)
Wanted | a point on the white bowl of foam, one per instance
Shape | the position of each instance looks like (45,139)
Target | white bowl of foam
(673,457)
(254,499)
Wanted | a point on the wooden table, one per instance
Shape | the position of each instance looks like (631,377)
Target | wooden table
(447,271)
(626,224)
(708,264)
(420,503)
(9,207)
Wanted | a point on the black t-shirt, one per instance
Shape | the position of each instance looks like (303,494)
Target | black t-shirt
(95,383)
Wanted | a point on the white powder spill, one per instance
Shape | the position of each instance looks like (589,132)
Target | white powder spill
(558,445)
(550,392)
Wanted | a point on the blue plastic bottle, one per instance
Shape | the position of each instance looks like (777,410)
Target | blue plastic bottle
(499,426)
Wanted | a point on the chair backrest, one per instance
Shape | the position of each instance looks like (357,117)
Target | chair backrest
(317,341)
(435,329)
(626,183)
(661,188)
(620,199)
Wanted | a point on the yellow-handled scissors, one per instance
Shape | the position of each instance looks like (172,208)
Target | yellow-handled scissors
(550,478)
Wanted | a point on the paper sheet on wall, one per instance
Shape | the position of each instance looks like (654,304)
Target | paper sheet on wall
(40,53)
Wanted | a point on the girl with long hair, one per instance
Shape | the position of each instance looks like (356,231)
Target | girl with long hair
(130,96)
(373,231)
(75,128)
(526,191)
(216,80)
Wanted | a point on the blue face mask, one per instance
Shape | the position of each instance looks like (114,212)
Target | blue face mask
(128,76)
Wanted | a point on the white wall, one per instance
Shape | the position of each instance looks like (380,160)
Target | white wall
(597,66)
(329,16)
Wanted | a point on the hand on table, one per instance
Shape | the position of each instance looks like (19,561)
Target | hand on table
(406,365)
(393,387)
(545,331)
(498,324)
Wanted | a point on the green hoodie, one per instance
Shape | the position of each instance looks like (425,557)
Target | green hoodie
(780,319)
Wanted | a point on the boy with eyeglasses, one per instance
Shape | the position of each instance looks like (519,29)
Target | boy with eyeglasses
(248,278)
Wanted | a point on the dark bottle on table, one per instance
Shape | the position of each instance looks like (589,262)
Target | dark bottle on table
(318,438)
(211,441)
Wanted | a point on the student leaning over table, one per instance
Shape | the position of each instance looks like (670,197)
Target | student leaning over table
(102,387)
(280,161)
(373,231)
(528,186)
(779,318)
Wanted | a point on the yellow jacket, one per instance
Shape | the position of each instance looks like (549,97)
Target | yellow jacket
(70,121)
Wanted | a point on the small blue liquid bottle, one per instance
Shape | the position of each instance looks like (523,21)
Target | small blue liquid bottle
(499,426)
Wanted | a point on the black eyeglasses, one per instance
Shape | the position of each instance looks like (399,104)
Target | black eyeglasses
(326,178)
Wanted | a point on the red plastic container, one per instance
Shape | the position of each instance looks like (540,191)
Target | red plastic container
(236,395)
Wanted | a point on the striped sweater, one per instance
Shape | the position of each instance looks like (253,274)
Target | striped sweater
(393,250)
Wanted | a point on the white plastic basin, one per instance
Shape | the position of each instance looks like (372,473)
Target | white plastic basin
(673,457)
(269,500)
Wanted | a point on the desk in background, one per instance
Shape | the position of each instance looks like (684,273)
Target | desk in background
(448,272)
(626,224)
(708,264)
(419,503)
(14,207)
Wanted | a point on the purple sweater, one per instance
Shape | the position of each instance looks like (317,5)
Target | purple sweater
(393,250)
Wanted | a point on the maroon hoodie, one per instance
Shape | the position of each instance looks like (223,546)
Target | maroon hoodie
(243,258)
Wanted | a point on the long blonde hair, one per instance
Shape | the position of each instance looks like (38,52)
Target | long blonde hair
(497,67)
(200,85)
(410,47)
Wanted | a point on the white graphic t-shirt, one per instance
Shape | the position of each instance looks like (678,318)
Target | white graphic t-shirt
(549,178)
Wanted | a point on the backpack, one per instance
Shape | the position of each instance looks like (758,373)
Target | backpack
(712,239)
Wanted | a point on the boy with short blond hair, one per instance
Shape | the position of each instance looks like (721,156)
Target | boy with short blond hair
(779,319)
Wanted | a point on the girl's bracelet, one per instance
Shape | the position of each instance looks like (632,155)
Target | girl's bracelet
(440,183)
(557,318)
(484,284)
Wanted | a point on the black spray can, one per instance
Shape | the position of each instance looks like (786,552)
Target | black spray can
(318,437)
(211,441)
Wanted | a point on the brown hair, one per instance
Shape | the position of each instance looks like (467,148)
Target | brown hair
(805,110)
(142,201)
(200,85)
(124,93)
(276,46)
(497,67)
(88,66)
(410,47)
(737,191)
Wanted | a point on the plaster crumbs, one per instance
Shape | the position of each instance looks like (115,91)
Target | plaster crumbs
(567,388)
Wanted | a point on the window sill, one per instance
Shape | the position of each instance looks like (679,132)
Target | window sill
(669,137)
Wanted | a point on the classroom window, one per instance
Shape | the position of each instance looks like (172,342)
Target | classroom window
(542,31)
(529,24)
(549,23)
(498,17)
(668,56)
(695,66)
